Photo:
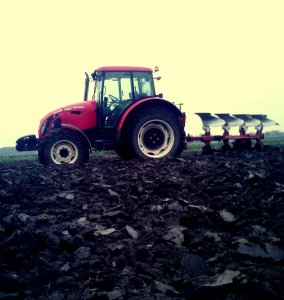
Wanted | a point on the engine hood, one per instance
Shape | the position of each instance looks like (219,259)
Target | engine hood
(81,115)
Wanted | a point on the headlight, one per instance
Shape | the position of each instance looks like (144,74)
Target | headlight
(43,127)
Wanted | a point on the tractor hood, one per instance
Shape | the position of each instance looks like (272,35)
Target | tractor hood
(80,116)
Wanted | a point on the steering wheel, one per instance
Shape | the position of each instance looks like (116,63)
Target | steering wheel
(113,99)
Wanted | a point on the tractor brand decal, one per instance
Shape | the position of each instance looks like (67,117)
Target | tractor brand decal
(68,109)
(73,107)
(57,111)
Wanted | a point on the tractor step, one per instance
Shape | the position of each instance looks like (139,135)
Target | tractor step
(100,145)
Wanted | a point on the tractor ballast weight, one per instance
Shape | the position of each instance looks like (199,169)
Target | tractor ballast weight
(125,115)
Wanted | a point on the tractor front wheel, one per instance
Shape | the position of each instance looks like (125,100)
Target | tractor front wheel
(154,134)
(63,146)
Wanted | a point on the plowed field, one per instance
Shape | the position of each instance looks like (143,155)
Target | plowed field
(196,227)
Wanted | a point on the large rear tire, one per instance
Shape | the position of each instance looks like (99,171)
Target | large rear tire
(155,133)
(63,146)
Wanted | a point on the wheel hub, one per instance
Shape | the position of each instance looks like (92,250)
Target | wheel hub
(64,152)
(154,138)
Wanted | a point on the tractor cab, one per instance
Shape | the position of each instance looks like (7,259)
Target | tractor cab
(116,88)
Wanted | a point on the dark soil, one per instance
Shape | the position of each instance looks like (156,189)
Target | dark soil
(196,227)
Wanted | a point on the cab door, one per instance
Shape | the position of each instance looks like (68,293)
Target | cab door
(117,96)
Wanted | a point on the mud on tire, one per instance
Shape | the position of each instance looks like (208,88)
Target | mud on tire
(63,146)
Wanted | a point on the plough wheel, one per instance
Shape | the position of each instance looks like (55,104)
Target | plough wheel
(242,144)
(226,147)
(259,146)
(207,150)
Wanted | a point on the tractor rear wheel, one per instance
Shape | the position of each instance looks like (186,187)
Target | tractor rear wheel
(154,133)
(63,146)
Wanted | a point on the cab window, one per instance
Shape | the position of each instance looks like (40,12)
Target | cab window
(117,86)
(143,85)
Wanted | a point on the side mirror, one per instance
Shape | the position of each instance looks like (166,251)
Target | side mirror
(97,76)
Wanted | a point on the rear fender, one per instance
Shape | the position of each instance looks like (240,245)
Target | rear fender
(147,104)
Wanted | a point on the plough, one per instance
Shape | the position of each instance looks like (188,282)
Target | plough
(226,121)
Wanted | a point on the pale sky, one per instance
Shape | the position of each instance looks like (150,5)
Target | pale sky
(214,56)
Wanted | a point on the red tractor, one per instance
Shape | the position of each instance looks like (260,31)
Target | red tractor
(125,115)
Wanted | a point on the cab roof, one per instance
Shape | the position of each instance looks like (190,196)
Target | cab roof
(124,68)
